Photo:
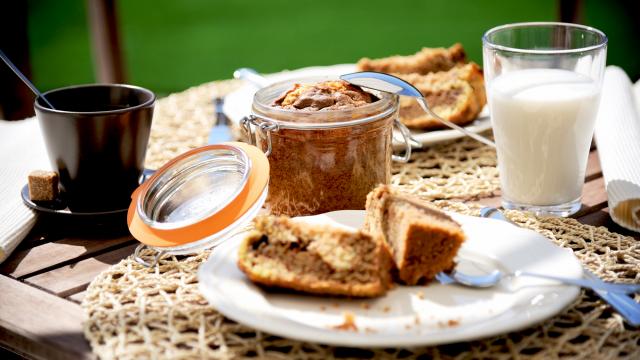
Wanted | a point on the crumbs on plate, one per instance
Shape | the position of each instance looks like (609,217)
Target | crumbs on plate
(449,323)
(349,322)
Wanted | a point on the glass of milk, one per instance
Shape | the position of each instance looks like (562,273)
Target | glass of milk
(543,84)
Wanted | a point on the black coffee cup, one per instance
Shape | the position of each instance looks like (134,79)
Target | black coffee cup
(96,137)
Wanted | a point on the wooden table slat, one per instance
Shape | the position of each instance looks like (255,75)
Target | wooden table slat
(593,166)
(78,297)
(40,324)
(22,263)
(73,278)
(594,197)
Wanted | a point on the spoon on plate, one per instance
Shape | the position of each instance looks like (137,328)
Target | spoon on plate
(391,84)
(613,294)
(493,278)
(24,79)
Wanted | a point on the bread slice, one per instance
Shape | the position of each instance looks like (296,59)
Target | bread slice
(423,62)
(316,259)
(423,239)
(457,95)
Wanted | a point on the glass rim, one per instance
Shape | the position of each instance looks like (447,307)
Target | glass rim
(150,100)
(159,182)
(492,45)
(386,105)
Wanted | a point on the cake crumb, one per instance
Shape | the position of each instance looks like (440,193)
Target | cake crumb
(365,305)
(449,323)
(323,308)
(370,330)
(417,320)
(349,323)
(335,305)
(420,295)
(407,326)
(386,309)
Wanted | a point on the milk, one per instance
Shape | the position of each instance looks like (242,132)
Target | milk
(543,121)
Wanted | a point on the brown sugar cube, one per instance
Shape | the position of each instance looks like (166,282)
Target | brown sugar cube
(43,185)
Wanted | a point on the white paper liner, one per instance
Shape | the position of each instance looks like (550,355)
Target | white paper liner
(617,135)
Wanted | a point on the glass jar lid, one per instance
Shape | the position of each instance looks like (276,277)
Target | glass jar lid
(198,197)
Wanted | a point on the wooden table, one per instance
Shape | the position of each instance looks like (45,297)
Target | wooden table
(44,280)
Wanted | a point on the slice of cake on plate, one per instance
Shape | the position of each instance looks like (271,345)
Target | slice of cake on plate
(423,62)
(422,239)
(457,95)
(318,259)
(453,88)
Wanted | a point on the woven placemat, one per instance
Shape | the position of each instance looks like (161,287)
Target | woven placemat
(462,169)
(137,312)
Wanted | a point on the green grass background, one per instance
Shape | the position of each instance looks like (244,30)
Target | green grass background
(171,45)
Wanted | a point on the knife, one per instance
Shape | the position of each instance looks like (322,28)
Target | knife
(221,131)
(622,303)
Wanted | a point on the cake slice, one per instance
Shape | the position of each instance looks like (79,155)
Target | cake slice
(422,239)
(317,259)
(457,95)
(423,62)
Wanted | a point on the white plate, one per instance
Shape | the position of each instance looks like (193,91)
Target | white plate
(407,315)
(238,103)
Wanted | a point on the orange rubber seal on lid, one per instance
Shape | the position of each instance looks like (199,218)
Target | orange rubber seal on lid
(256,183)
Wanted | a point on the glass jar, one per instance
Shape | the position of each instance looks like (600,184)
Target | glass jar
(326,160)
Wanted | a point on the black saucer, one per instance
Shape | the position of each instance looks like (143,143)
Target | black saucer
(59,207)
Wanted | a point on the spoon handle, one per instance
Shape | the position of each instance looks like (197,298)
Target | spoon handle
(427,109)
(24,79)
(251,76)
(622,303)
(605,286)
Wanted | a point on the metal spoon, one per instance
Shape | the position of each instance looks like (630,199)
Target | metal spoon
(394,85)
(251,76)
(24,79)
(493,278)
(623,304)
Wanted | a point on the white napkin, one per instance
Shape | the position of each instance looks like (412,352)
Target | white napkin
(21,151)
(617,135)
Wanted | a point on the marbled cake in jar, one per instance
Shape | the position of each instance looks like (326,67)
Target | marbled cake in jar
(330,142)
